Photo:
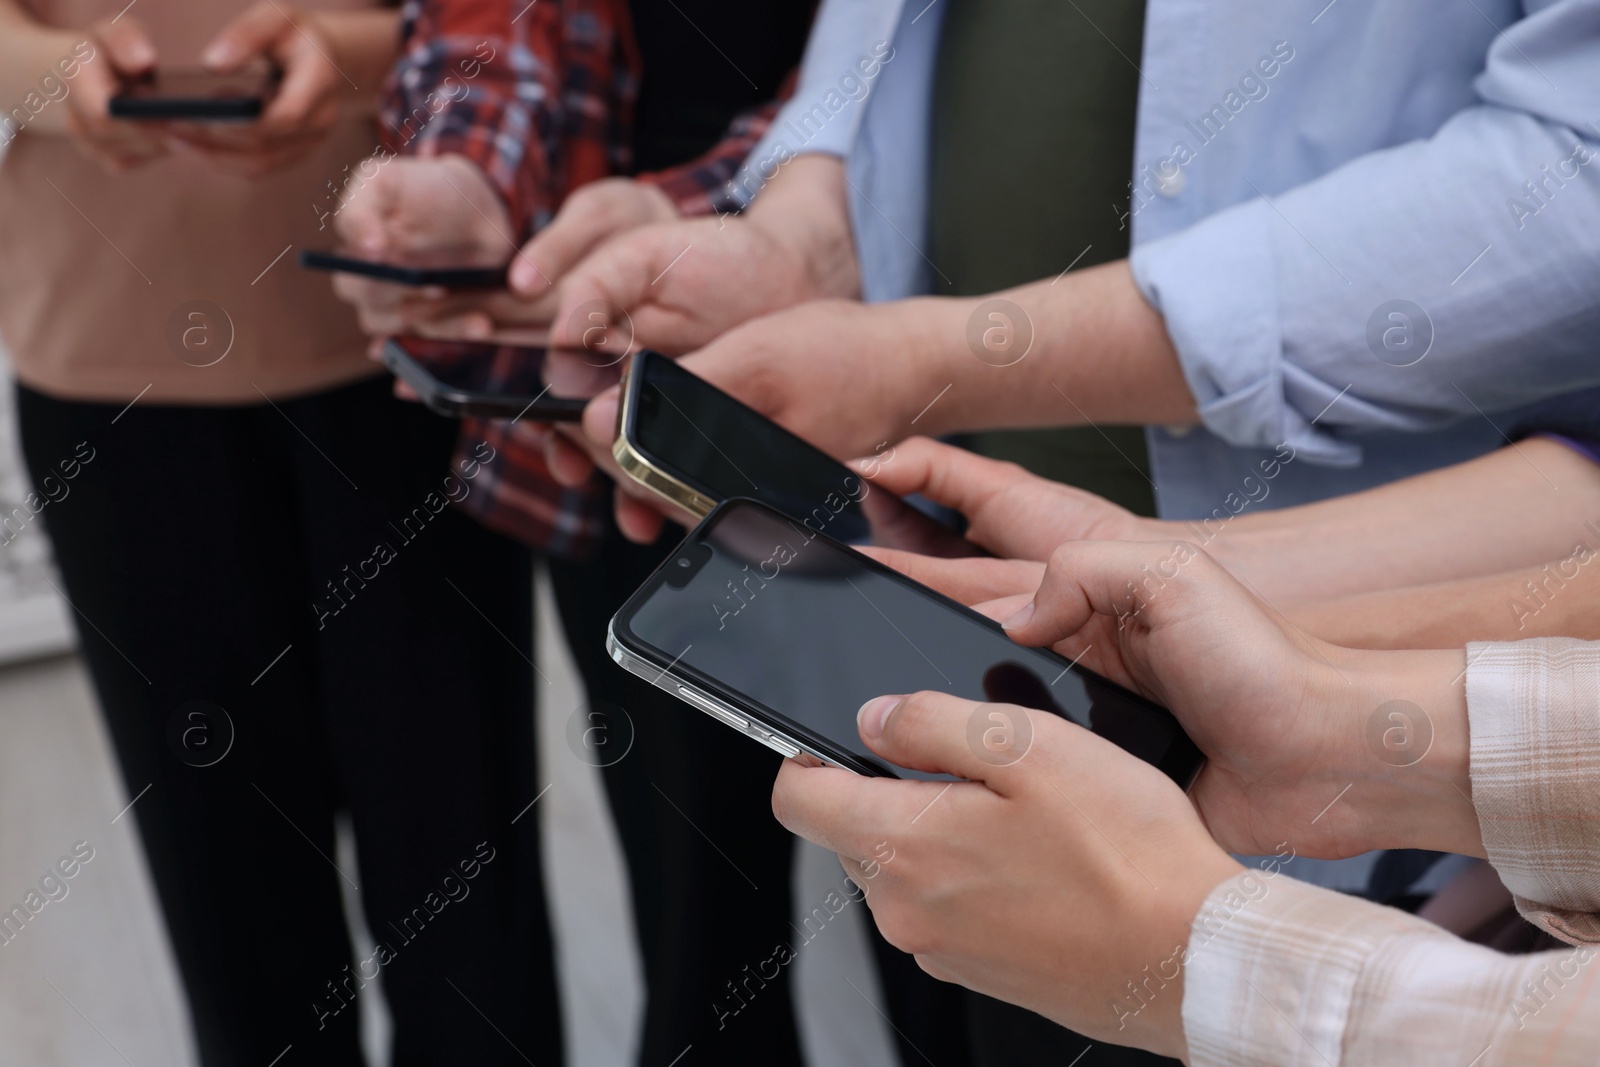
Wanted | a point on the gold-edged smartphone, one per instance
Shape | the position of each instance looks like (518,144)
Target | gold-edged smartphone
(695,446)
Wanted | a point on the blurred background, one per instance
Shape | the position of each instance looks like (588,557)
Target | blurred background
(89,982)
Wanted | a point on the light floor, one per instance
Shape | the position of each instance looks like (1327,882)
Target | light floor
(90,982)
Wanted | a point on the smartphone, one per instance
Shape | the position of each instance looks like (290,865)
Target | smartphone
(451,377)
(695,446)
(783,633)
(196,95)
(444,269)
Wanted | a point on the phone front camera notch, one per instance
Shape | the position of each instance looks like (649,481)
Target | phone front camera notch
(687,564)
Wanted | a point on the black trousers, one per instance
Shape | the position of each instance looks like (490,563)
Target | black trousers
(282,626)
(708,866)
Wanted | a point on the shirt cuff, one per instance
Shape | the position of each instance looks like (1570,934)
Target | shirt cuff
(1271,967)
(1286,974)
(1215,284)
(1534,712)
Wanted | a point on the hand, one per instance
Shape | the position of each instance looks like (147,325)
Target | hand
(675,286)
(592,215)
(1285,721)
(297,117)
(440,209)
(121,50)
(1050,882)
(1013,514)
(841,374)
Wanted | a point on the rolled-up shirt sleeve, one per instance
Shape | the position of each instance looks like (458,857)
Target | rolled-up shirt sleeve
(1362,287)
(1280,972)
(1534,709)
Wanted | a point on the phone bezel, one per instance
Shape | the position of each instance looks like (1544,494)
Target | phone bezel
(246,107)
(637,462)
(400,274)
(1181,762)
(456,402)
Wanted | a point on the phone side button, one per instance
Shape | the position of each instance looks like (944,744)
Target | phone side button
(782,746)
(714,710)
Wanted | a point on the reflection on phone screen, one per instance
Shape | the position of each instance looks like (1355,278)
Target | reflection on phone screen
(809,631)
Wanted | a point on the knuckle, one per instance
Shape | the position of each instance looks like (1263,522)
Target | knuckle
(911,716)
(1063,556)
(902,927)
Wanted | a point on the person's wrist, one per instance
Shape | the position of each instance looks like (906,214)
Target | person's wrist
(1166,926)
(1405,745)
(821,260)
(939,359)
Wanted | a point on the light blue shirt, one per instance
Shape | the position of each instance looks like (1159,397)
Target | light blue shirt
(1307,177)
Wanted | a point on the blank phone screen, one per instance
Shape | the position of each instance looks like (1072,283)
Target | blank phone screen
(723,449)
(758,606)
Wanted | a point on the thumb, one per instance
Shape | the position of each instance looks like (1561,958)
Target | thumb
(251,34)
(600,417)
(943,734)
(127,46)
(1145,583)
(364,215)
(607,286)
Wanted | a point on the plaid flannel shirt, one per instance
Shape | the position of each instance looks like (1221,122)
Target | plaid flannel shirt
(1283,973)
(540,96)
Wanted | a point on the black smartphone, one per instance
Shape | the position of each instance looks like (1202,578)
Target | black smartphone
(451,377)
(196,95)
(783,633)
(694,445)
(444,269)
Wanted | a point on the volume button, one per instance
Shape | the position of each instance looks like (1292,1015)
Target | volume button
(713,709)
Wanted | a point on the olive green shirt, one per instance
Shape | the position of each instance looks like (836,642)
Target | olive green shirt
(1032,152)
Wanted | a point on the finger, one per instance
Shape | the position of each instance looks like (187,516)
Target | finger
(637,521)
(1002,608)
(613,281)
(588,217)
(1143,583)
(303,96)
(364,215)
(600,417)
(127,45)
(251,34)
(569,465)
(844,812)
(943,473)
(462,326)
(822,805)
(930,732)
(570,374)
(970,580)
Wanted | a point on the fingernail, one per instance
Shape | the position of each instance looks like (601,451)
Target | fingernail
(1020,619)
(873,714)
(523,276)
(217,55)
